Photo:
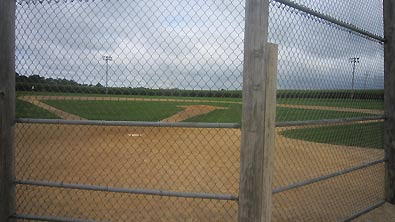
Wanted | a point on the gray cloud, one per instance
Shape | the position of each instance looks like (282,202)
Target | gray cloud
(186,44)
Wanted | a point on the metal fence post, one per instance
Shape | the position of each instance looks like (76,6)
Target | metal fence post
(7,109)
(389,99)
(259,102)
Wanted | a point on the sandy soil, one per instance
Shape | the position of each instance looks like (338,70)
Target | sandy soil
(181,159)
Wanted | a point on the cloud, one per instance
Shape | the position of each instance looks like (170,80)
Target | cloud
(187,44)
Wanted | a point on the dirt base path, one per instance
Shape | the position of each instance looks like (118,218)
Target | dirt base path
(62,114)
(331,108)
(191,111)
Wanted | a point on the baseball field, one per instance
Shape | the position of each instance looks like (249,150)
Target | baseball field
(196,160)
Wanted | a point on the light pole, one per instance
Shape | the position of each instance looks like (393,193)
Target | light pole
(107,58)
(366,79)
(354,61)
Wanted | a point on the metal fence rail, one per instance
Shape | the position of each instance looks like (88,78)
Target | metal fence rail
(192,124)
(330,19)
(127,190)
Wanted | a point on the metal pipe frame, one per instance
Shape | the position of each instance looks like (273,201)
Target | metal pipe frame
(325,177)
(126,190)
(129,123)
(330,19)
(190,194)
(191,124)
(329,121)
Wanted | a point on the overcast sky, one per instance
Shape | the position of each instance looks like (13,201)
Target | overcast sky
(194,44)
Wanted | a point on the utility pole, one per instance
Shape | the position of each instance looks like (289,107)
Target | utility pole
(107,58)
(354,61)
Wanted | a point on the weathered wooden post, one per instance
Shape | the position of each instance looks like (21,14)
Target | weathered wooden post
(258,123)
(7,109)
(389,99)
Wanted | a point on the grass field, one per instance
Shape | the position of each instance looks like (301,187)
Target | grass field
(128,96)
(28,110)
(369,135)
(156,111)
(346,103)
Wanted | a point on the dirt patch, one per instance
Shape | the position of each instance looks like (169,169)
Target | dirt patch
(186,160)
(191,111)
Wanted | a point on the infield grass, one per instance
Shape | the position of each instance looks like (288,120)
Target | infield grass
(346,103)
(369,135)
(156,111)
(27,110)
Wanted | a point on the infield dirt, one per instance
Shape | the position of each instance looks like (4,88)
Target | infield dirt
(186,160)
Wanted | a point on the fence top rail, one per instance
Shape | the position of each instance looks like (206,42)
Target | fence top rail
(330,19)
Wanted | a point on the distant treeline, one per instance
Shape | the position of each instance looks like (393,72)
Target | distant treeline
(41,84)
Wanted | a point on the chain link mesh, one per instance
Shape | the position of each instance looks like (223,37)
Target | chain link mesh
(181,62)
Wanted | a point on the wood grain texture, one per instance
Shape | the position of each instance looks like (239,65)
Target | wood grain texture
(7,109)
(389,99)
(259,102)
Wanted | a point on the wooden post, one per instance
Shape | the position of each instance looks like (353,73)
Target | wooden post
(7,109)
(259,105)
(389,99)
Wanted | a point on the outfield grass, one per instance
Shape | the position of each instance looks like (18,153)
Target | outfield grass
(233,115)
(227,99)
(155,111)
(28,110)
(346,103)
(369,135)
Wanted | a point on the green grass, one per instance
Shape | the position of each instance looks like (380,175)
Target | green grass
(346,103)
(27,110)
(369,135)
(226,99)
(155,111)
(233,115)
(117,110)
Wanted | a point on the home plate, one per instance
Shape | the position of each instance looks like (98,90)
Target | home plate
(135,134)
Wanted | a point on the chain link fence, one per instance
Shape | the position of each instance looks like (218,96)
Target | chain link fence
(131,110)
